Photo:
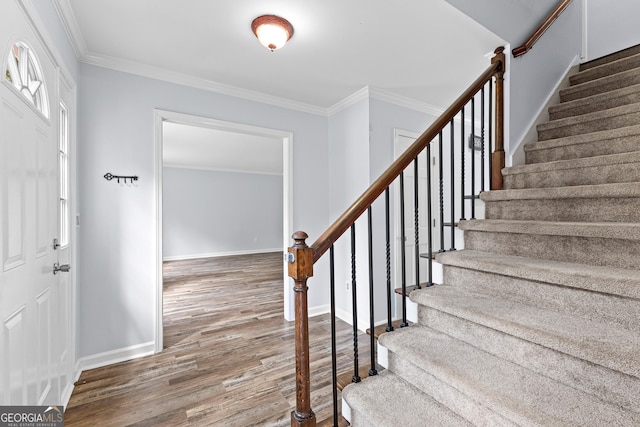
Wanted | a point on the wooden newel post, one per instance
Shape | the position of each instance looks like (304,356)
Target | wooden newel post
(497,157)
(300,269)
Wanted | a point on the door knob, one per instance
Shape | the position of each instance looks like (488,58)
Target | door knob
(64,268)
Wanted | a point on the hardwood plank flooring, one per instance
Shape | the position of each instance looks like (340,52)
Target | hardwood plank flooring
(228,359)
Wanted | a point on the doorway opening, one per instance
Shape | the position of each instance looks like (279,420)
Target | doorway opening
(166,122)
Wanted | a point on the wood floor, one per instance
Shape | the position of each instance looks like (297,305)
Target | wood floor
(229,355)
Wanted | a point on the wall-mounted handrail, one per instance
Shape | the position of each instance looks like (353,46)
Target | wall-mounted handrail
(497,67)
(544,26)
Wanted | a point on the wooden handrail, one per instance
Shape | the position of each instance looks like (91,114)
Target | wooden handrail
(544,26)
(328,238)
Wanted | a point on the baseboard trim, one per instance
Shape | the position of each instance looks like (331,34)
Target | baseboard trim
(220,254)
(114,356)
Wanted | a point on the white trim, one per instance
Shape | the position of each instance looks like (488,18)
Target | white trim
(71,27)
(406,102)
(221,254)
(213,169)
(585,30)
(163,74)
(114,356)
(287,182)
(47,40)
(350,100)
(541,114)
(319,310)
(369,92)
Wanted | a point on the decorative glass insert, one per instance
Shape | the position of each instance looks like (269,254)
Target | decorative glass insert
(63,177)
(23,72)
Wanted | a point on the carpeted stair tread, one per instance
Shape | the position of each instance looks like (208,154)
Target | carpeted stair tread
(599,102)
(383,400)
(608,230)
(612,168)
(609,191)
(613,348)
(630,51)
(619,140)
(601,85)
(612,118)
(600,294)
(614,281)
(599,71)
(482,383)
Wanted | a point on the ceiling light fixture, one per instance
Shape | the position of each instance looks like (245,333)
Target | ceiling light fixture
(272,31)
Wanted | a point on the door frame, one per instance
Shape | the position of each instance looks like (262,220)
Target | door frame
(397,134)
(161,116)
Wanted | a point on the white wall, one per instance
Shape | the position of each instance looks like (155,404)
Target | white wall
(212,213)
(612,26)
(117,241)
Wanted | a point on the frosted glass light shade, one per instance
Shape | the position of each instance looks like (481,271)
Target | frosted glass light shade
(272,31)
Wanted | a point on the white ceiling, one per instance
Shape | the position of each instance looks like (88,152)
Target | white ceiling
(214,149)
(425,50)
(420,52)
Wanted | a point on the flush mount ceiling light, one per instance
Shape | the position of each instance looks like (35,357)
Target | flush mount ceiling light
(272,31)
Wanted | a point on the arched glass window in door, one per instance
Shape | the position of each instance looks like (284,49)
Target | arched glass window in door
(24,73)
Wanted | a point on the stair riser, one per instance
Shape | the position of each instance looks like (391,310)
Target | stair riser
(606,384)
(573,210)
(599,86)
(446,394)
(590,148)
(617,311)
(599,72)
(593,251)
(545,132)
(589,105)
(602,174)
(634,50)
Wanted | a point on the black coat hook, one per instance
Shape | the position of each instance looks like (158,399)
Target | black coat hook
(109,176)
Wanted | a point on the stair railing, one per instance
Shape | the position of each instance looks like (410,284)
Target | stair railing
(301,257)
(540,30)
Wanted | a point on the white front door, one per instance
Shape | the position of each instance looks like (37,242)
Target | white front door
(32,303)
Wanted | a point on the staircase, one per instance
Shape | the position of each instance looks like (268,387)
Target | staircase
(538,319)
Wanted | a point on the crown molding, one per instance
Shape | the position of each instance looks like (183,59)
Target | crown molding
(163,74)
(403,101)
(350,100)
(71,27)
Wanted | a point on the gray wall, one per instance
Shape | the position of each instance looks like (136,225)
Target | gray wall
(612,26)
(531,79)
(209,213)
(117,239)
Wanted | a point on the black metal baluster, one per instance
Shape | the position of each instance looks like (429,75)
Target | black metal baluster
(429,219)
(334,363)
(354,304)
(462,151)
(416,221)
(388,258)
(372,326)
(491,135)
(482,159)
(403,269)
(441,192)
(453,188)
(473,159)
